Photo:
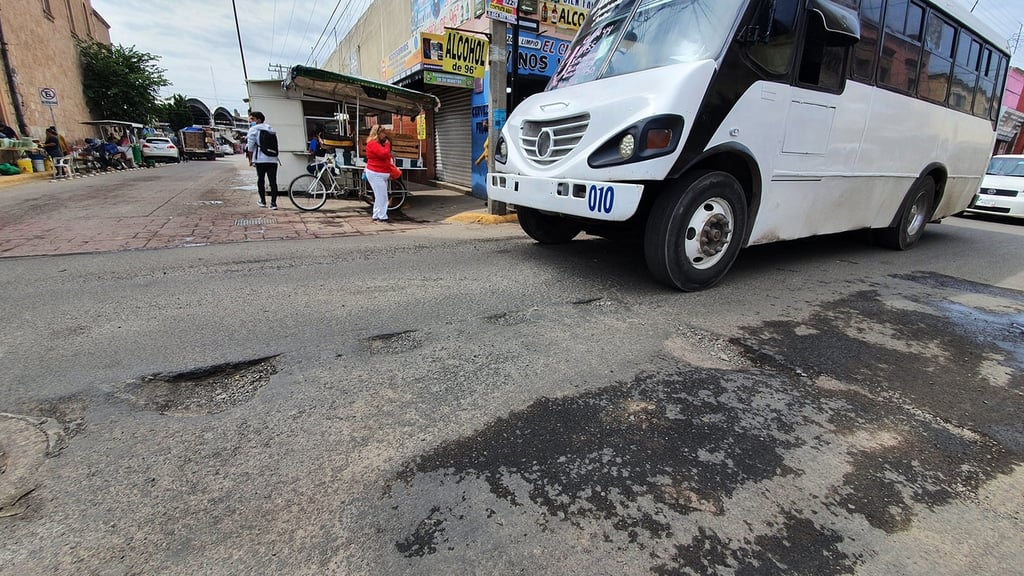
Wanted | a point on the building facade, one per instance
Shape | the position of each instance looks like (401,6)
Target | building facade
(402,42)
(40,62)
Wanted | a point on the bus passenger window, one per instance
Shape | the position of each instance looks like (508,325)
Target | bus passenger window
(775,52)
(865,52)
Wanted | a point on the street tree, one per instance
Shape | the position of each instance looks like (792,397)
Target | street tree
(176,112)
(121,83)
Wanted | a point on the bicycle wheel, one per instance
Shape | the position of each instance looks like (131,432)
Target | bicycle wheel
(307,192)
(396,194)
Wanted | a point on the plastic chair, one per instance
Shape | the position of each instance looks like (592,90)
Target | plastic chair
(64,167)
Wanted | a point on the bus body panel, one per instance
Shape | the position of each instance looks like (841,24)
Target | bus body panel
(837,162)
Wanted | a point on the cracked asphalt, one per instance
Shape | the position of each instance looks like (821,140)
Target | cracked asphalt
(455,399)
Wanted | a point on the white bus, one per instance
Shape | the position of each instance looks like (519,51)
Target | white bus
(710,125)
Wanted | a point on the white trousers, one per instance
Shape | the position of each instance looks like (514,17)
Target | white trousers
(379,183)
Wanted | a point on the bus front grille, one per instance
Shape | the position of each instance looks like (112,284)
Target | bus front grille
(546,142)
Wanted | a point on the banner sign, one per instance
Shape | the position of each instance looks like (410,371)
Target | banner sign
(435,15)
(464,54)
(446,79)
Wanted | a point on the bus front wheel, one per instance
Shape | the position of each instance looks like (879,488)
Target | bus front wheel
(694,231)
(545,228)
(915,212)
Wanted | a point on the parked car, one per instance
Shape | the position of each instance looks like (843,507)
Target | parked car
(1002,188)
(160,149)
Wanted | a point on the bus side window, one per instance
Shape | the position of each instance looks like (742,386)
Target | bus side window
(774,52)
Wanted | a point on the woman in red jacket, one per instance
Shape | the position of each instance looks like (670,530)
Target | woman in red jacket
(378,170)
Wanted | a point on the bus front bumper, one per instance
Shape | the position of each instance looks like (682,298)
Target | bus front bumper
(609,201)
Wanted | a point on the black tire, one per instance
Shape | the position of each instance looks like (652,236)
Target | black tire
(547,228)
(695,231)
(915,212)
(397,194)
(307,192)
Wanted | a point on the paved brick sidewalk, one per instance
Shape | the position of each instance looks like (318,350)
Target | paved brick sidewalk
(232,217)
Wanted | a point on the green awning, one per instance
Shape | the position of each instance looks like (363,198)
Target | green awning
(370,93)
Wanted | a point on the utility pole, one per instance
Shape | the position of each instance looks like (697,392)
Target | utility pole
(238,31)
(497,59)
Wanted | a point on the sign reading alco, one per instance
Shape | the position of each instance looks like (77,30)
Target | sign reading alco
(464,54)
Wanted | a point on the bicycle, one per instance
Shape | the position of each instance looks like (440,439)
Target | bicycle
(309,192)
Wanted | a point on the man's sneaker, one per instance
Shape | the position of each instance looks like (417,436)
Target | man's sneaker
(261,204)
(273,207)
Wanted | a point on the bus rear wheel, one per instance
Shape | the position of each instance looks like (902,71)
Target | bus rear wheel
(694,231)
(915,212)
(545,228)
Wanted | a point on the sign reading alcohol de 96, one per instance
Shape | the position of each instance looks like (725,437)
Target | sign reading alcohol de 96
(48,96)
(464,54)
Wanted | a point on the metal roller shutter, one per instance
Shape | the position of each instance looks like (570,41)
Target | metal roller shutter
(453,135)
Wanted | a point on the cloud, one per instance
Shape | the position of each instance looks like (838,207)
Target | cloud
(197,42)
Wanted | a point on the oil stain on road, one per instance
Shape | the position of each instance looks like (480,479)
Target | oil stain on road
(839,431)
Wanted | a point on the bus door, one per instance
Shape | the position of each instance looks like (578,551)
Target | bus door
(823,123)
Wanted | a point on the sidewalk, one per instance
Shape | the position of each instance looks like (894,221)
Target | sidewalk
(232,217)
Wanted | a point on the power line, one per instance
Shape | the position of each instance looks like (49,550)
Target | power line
(324,31)
(351,18)
(310,19)
(288,31)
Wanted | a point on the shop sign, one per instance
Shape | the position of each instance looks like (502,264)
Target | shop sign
(446,79)
(464,54)
(563,15)
(502,10)
(538,55)
(422,48)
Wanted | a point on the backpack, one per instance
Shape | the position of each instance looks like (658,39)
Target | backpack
(267,143)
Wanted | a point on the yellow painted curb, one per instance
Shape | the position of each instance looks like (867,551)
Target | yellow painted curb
(15,179)
(481,218)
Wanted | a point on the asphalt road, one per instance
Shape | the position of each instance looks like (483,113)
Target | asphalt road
(458,400)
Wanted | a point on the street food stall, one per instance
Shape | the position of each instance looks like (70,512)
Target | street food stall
(345,107)
(125,136)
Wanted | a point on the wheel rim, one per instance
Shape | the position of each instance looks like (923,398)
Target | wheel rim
(308,194)
(918,214)
(709,233)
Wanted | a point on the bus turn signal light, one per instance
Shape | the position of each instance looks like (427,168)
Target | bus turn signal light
(658,139)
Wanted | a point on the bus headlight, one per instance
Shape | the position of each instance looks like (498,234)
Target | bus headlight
(501,156)
(649,138)
(627,146)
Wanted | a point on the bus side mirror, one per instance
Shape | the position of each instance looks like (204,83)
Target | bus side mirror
(760,28)
(840,26)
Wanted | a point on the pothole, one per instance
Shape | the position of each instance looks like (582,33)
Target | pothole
(25,443)
(394,343)
(514,318)
(207,390)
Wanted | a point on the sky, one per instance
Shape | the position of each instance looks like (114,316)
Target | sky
(197,41)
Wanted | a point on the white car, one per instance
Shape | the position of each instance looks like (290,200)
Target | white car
(1002,188)
(160,149)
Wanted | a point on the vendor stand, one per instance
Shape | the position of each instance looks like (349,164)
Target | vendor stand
(346,106)
(120,129)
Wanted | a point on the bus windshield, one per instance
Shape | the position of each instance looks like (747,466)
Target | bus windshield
(623,36)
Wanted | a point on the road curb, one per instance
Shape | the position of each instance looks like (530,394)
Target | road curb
(475,217)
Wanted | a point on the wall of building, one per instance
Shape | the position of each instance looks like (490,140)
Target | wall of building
(41,38)
(382,27)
